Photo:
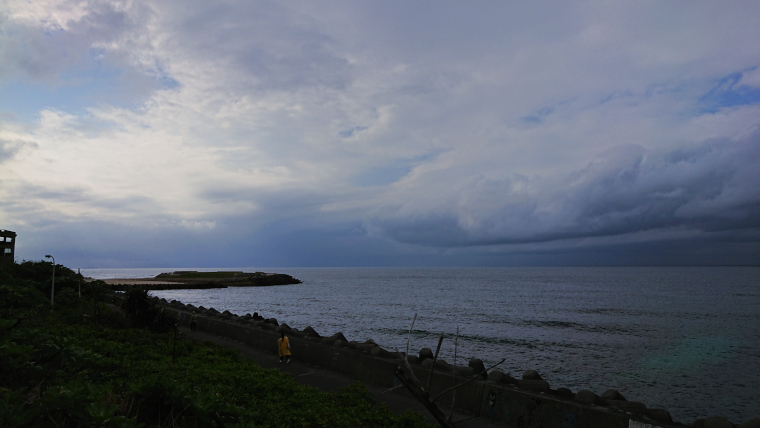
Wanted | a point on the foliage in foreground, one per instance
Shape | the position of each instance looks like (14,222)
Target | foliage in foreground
(82,364)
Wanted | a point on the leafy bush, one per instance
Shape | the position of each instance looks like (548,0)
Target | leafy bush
(59,368)
(143,311)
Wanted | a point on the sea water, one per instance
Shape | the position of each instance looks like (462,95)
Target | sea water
(686,339)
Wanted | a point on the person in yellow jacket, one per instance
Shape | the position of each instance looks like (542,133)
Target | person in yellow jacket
(283,347)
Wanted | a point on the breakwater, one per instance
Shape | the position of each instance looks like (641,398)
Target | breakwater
(525,402)
(194,280)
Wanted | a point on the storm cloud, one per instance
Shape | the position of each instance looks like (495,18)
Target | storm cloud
(359,134)
(702,187)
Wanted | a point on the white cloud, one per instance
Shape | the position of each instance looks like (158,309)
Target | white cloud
(258,111)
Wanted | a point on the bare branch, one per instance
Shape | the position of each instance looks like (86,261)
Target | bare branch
(422,396)
(405,357)
(393,388)
(409,336)
(435,358)
(453,375)
(476,376)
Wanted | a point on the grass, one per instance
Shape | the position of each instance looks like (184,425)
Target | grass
(82,364)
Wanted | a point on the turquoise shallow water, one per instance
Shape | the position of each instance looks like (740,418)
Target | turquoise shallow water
(686,339)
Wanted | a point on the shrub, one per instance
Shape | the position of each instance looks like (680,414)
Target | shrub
(58,368)
(143,311)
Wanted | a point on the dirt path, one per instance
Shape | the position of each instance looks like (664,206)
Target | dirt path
(397,401)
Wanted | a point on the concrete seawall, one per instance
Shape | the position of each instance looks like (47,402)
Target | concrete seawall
(527,402)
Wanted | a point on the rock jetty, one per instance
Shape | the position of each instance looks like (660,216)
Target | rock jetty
(181,280)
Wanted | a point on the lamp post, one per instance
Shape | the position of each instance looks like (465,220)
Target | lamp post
(52,286)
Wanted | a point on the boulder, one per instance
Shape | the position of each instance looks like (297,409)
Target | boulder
(628,406)
(612,394)
(588,397)
(443,365)
(718,422)
(384,353)
(464,371)
(426,353)
(309,331)
(340,343)
(564,393)
(478,367)
(660,415)
(531,375)
(536,385)
(439,364)
(752,423)
(226,312)
(376,351)
(272,321)
(498,376)
(413,359)
(366,347)
(267,326)
(283,328)
(495,375)
(337,336)
(396,355)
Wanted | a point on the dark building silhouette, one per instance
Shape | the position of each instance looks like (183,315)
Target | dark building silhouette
(7,246)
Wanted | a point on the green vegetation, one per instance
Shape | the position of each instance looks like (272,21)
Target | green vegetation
(83,363)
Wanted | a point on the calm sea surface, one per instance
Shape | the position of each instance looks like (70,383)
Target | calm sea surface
(686,339)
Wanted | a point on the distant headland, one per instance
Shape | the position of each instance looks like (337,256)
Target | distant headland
(191,279)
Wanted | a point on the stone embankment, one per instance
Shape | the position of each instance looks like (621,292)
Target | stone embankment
(525,402)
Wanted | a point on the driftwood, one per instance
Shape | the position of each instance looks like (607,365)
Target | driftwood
(407,378)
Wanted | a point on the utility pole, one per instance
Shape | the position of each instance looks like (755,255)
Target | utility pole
(52,286)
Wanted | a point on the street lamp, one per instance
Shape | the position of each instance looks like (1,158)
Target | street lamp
(52,287)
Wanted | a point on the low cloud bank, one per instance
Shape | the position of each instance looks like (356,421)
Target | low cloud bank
(710,187)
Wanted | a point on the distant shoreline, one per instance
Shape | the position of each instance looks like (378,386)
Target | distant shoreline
(180,280)
(135,281)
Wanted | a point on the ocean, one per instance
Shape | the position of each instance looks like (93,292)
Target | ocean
(686,339)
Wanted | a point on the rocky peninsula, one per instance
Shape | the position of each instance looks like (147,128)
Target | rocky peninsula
(182,280)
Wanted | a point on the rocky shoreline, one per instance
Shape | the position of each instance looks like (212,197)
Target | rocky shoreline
(528,394)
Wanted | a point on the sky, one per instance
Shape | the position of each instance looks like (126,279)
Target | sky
(361,133)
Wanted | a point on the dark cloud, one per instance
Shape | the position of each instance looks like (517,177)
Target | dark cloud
(713,186)
(395,133)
